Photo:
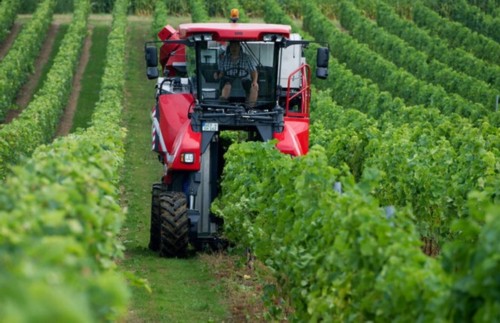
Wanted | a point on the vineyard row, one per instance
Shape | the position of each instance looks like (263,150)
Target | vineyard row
(37,124)
(418,63)
(8,14)
(19,62)
(456,58)
(60,213)
(340,257)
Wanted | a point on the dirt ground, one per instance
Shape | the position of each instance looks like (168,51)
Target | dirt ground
(26,92)
(7,43)
(67,117)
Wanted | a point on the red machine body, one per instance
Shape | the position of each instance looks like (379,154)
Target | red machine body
(172,55)
(234,31)
(173,108)
(191,114)
(172,134)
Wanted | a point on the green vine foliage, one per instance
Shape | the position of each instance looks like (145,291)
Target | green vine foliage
(361,60)
(274,13)
(336,256)
(468,15)
(490,7)
(8,14)
(176,7)
(60,215)
(472,260)
(37,124)
(456,34)
(353,91)
(353,139)
(456,58)
(198,11)
(426,160)
(344,133)
(18,64)
(160,14)
(416,62)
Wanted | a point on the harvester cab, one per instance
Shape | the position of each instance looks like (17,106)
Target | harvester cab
(205,87)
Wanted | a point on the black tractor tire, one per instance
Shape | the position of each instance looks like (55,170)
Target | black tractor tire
(174,225)
(155,227)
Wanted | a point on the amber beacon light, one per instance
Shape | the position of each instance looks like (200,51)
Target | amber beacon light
(235,15)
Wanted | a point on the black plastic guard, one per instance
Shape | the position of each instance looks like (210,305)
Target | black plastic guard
(194,217)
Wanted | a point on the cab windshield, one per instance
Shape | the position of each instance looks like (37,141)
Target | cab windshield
(227,74)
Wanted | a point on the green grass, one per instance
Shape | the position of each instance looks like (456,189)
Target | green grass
(183,290)
(91,79)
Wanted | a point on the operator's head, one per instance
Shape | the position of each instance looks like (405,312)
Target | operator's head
(234,47)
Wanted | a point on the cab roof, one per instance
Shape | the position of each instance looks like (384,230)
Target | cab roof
(233,31)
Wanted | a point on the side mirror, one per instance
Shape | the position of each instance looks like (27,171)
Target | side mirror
(322,56)
(152,73)
(151,55)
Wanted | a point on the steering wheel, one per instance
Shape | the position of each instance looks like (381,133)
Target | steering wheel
(237,72)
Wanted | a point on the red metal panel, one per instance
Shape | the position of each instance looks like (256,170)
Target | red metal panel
(166,32)
(187,141)
(176,130)
(171,54)
(174,110)
(228,31)
(294,139)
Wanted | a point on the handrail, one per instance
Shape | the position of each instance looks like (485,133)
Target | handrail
(305,91)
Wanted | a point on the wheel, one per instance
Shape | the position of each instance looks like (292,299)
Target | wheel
(155,227)
(174,224)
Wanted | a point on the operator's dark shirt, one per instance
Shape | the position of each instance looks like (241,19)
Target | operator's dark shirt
(244,62)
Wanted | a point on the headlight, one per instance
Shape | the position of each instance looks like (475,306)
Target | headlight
(187,158)
(272,37)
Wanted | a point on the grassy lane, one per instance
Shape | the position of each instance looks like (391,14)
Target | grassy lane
(182,290)
(91,81)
